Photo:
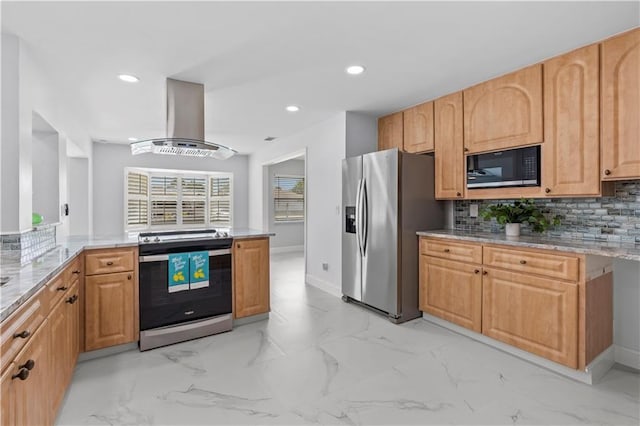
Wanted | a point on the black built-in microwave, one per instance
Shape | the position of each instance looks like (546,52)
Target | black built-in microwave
(514,167)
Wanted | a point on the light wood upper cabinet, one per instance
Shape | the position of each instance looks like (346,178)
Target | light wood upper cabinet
(110,306)
(449,156)
(251,277)
(452,291)
(390,132)
(536,314)
(570,162)
(418,128)
(621,107)
(505,112)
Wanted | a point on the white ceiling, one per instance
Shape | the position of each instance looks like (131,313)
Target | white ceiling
(255,58)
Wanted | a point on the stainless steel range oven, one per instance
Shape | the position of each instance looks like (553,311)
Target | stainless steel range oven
(185,286)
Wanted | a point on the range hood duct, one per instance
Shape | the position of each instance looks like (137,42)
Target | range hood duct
(185,126)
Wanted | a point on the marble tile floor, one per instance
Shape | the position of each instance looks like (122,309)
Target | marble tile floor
(318,360)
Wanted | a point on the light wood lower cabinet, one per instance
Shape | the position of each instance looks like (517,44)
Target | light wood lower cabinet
(25,384)
(536,314)
(109,310)
(452,291)
(251,277)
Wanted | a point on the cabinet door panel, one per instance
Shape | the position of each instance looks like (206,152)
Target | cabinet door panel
(505,112)
(621,107)
(535,314)
(572,115)
(59,356)
(449,155)
(418,128)
(109,310)
(251,277)
(390,132)
(452,291)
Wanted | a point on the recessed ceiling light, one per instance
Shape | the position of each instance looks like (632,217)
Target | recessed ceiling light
(355,69)
(129,78)
(133,139)
(292,108)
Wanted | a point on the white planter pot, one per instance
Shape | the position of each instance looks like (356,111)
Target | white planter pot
(512,229)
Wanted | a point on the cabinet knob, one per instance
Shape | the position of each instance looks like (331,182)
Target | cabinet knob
(523,262)
(129,277)
(23,374)
(72,299)
(485,273)
(547,190)
(238,246)
(447,250)
(77,271)
(466,150)
(28,365)
(63,288)
(477,271)
(109,263)
(23,335)
(607,172)
(458,194)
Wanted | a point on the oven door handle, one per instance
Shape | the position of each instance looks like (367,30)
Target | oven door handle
(163,257)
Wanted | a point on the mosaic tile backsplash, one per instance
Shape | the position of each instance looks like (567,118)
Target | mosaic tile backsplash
(615,218)
(26,246)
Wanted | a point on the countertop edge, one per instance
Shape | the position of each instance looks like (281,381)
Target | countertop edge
(549,245)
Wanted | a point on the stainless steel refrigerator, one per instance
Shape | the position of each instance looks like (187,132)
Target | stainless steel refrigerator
(386,196)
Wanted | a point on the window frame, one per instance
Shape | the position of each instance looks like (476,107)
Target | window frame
(179,198)
(304,199)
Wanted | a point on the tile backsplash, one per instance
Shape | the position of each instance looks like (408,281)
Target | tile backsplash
(26,246)
(615,218)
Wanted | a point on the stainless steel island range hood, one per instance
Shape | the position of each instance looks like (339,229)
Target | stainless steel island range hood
(185,126)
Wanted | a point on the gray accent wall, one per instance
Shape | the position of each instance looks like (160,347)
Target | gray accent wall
(615,218)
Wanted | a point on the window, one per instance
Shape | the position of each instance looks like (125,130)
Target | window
(161,199)
(288,198)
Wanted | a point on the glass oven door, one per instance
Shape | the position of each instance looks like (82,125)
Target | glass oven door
(160,308)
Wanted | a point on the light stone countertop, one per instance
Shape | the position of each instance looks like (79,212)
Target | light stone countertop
(628,251)
(26,280)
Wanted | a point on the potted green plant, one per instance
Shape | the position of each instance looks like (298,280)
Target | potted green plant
(521,211)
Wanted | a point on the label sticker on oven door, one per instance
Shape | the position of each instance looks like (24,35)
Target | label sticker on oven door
(199,269)
(178,272)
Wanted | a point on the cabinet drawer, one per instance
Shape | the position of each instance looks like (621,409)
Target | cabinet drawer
(534,262)
(20,327)
(108,261)
(73,270)
(462,252)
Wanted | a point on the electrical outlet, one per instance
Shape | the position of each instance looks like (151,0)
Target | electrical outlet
(325,266)
(473,210)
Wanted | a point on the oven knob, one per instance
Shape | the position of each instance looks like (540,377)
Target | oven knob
(146,239)
(156,240)
(225,235)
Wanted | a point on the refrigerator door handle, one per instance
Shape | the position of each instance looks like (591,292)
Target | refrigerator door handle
(364,212)
(358,216)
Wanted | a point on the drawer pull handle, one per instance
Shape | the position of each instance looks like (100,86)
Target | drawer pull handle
(607,172)
(28,365)
(109,263)
(485,273)
(477,271)
(77,271)
(447,250)
(523,262)
(72,299)
(63,288)
(23,374)
(22,335)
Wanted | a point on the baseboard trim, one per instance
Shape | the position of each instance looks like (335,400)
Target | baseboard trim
(287,249)
(248,320)
(112,350)
(323,285)
(627,357)
(592,373)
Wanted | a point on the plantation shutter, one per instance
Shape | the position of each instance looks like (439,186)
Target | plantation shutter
(288,198)
(194,197)
(220,201)
(164,200)
(137,213)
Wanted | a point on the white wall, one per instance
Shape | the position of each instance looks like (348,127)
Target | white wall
(78,188)
(288,234)
(109,161)
(325,149)
(362,134)
(46,180)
